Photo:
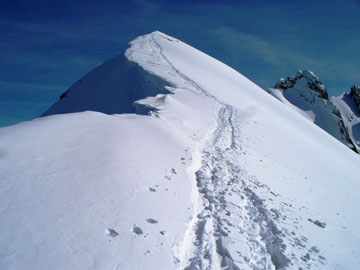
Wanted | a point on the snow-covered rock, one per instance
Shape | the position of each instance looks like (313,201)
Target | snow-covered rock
(355,95)
(311,81)
(307,94)
(218,175)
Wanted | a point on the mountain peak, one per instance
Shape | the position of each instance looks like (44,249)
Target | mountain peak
(311,80)
(308,94)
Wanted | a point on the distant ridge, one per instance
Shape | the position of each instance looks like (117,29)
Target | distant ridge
(308,93)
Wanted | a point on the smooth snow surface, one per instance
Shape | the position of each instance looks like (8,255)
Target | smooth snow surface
(279,94)
(219,175)
(110,88)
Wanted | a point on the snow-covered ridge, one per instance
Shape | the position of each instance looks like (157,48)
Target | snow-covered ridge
(122,83)
(220,175)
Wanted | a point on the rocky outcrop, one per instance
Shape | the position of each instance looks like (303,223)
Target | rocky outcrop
(355,95)
(308,93)
(312,81)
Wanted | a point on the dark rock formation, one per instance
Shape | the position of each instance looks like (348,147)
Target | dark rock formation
(313,82)
(355,95)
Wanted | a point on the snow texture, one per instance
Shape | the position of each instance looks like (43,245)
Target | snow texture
(212,173)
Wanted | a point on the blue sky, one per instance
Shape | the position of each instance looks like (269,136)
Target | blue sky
(45,46)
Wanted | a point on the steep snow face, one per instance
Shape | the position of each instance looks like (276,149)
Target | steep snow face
(218,175)
(278,93)
(348,105)
(308,94)
(110,88)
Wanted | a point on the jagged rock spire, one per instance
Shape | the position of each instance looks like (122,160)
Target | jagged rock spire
(355,94)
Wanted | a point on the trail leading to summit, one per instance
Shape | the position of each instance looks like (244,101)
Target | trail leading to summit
(166,158)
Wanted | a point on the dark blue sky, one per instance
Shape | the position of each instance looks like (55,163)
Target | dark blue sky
(45,46)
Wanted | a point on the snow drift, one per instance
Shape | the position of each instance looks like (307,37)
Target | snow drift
(218,175)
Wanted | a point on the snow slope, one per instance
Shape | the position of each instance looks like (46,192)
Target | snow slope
(218,175)
(278,93)
(350,113)
(105,94)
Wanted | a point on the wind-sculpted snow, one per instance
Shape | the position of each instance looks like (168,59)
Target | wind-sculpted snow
(218,175)
(111,88)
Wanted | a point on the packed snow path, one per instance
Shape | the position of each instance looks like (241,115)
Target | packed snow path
(230,229)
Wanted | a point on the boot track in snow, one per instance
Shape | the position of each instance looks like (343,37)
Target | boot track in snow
(230,227)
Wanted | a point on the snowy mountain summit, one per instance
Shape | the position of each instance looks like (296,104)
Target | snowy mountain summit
(307,94)
(304,77)
(166,158)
